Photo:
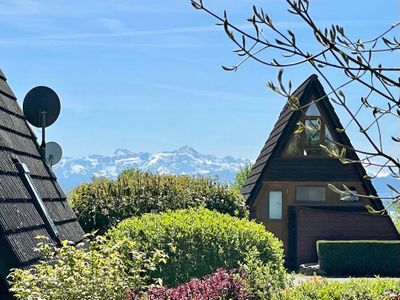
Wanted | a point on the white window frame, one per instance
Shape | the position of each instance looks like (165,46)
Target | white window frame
(275,215)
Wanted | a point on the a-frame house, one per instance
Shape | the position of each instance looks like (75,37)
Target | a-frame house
(32,203)
(287,188)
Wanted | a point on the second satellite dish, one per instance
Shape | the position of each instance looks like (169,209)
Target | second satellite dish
(41,106)
(53,153)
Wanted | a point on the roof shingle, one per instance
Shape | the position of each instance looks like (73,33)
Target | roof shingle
(20,221)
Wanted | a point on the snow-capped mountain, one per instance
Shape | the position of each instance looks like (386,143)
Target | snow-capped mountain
(185,160)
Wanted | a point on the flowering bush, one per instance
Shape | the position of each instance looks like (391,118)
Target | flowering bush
(220,285)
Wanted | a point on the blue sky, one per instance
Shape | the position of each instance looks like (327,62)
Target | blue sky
(146,75)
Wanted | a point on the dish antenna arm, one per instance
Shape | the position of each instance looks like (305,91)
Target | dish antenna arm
(43,145)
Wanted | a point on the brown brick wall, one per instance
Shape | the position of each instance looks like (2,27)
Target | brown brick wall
(318,224)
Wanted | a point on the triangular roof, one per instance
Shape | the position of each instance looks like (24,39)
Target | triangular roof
(20,220)
(283,130)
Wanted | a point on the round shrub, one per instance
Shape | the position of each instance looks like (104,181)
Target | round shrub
(199,241)
(103,203)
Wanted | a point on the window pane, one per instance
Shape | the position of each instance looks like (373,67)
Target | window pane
(329,142)
(310,193)
(313,152)
(313,110)
(294,148)
(275,204)
(313,130)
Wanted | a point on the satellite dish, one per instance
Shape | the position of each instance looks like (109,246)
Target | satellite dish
(41,106)
(41,109)
(53,153)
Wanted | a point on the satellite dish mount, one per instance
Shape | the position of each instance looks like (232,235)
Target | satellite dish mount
(43,115)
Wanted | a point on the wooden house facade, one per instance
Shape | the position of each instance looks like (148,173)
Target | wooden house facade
(31,201)
(287,188)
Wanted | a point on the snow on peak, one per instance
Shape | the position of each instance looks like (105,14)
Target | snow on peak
(185,160)
(122,152)
(187,149)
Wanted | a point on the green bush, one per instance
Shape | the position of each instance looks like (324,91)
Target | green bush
(93,270)
(359,257)
(262,280)
(355,289)
(199,241)
(103,203)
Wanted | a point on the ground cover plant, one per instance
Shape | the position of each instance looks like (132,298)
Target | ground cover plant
(355,289)
(94,270)
(105,202)
(199,241)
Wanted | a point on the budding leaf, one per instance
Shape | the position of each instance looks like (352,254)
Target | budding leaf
(339,130)
(229,68)
(196,5)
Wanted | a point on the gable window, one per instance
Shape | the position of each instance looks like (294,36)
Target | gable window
(312,110)
(311,193)
(275,205)
(312,136)
(315,133)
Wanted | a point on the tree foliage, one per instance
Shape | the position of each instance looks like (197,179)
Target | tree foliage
(241,177)
(334,51)
(105,202)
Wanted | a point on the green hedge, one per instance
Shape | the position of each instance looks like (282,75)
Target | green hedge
(355,289)
(104,202)
(359,257)
(199,241)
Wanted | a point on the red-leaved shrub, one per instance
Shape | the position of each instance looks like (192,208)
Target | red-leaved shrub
(220,285)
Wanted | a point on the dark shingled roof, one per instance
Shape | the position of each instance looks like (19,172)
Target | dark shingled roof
(284,128)
(20,221)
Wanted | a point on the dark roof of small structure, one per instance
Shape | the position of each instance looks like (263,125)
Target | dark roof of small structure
(285,127)
(20,221)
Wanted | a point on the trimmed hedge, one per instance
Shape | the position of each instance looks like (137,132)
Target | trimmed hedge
(359,258)
(356,289)
(104,203)
(199,241)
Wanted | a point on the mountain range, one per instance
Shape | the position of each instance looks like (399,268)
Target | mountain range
(185,160)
